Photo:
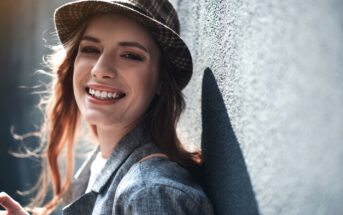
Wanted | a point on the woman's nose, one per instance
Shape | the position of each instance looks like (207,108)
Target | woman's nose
(104,68)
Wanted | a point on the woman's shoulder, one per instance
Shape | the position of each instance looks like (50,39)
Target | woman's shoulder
(160,179)
(160,186)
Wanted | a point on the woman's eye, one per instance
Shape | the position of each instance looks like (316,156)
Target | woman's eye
(132,56)
(89,50)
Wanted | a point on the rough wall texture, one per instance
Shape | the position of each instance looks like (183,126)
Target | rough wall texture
(278,67)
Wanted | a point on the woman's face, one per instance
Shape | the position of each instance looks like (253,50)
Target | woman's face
(115,71)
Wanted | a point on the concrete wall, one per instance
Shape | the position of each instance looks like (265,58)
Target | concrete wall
(272,102)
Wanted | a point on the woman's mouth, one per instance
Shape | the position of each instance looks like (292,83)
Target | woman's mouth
(104,95)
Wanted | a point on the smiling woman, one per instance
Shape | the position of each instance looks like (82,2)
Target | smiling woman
(123,71)
(116,56)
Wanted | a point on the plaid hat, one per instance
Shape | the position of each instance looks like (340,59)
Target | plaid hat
(158,16)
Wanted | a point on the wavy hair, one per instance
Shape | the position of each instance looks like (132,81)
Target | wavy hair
(62,122)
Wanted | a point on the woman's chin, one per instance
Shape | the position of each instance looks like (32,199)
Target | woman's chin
(100,120)
(106,122)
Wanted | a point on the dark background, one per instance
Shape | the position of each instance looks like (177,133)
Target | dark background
(24,27)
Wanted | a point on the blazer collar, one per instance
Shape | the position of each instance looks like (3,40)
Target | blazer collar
(80,180)
(131,141)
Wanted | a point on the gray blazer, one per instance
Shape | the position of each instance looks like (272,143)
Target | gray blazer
(127,186)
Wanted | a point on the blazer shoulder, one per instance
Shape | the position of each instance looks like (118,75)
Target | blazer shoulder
(157,174)
(160,186)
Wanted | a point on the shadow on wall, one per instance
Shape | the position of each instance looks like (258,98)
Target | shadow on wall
(226,178)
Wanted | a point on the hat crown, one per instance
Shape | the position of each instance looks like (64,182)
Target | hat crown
(160,10)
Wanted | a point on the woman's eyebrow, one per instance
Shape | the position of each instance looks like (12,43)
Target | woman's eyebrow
(90,38)
(123,43)
(134,44)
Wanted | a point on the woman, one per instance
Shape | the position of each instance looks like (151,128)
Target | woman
(123,71)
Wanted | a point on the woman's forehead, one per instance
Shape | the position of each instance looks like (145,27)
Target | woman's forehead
(113,25)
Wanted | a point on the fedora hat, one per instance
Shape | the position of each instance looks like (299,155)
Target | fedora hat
(158,16)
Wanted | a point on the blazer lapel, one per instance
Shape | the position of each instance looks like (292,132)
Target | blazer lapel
(125,147)
(84,203)
(80,180)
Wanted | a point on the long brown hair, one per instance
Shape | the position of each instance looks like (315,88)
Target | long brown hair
(62,119)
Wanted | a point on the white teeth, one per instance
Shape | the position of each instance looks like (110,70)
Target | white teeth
(104,95)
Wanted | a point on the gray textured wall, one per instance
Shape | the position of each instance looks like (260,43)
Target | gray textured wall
(279,70)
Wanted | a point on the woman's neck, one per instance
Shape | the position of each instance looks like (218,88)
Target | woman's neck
(109,138)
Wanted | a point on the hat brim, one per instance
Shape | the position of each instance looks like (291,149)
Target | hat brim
(70,15)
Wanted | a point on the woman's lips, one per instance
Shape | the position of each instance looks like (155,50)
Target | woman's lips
(100,94)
